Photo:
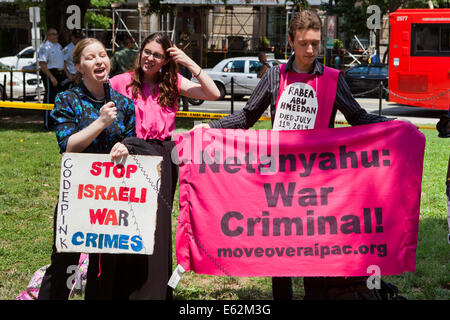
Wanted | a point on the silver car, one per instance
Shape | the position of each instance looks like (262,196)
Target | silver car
(24,58)
(244,72)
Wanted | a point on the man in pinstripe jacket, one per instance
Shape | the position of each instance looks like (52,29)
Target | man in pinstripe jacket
(304,37)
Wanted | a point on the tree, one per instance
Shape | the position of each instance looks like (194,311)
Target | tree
(301,4)
(353,13)
(100,19)
(155,6)
(53,14)
(56,16)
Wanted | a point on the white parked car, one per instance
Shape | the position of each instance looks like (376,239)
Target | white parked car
(31,81)
(24,58)
(244,72)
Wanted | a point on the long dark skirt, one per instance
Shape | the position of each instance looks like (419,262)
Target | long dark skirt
(127,276)
(54,285)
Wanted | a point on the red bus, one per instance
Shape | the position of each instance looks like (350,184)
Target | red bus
(419,58)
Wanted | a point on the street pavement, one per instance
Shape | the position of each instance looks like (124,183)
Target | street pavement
(418,116)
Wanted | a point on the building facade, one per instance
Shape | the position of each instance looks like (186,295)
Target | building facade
(15,28)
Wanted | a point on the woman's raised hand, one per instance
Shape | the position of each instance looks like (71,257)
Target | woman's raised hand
(200,125)
(180,57)
(205,88)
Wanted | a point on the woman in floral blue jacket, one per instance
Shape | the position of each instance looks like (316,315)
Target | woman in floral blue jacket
(85,120)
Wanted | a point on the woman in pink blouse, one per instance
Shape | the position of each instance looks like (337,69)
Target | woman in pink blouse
(155,85)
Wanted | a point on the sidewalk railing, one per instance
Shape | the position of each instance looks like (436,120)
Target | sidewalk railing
(380,89)
(183,114)
(7,85)
(417,100)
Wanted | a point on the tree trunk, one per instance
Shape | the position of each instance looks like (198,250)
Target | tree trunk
(56,16)
(395,4)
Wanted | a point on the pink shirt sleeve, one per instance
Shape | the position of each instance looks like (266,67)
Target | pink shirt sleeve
(120,82)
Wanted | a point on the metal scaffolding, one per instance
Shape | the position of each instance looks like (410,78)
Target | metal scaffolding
(141,27)
(207,29)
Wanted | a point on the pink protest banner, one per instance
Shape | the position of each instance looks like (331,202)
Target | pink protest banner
(329,202)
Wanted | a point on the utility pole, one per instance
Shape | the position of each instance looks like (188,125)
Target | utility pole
(329,42)
(35,18)
(374,24)
(288,9)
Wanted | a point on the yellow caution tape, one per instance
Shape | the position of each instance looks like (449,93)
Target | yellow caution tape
(26,105)
(205,115)
(419,127)
(181,114)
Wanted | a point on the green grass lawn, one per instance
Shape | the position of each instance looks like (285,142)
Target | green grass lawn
(29,171)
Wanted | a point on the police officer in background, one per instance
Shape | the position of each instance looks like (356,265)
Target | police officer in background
(69,67)
(51,62)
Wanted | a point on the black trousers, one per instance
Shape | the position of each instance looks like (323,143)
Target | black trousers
(126,276)
(282,288)
(54,283)
(324,288)
(51,91)
(140,277)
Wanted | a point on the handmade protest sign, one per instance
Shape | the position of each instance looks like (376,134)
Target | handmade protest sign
(297,108)
(328,202)
(107,207)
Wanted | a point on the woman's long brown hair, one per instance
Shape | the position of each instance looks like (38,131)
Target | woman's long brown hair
(167,78)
